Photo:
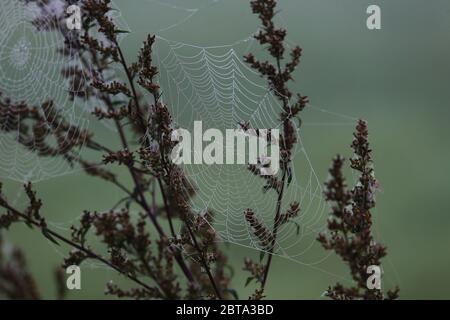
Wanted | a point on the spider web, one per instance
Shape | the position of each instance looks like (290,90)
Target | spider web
(207,83)
(31,71)
(214,85)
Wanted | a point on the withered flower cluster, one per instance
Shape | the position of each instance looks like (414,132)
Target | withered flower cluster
(349,226)
(278,74)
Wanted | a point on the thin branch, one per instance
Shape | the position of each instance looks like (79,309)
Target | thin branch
(83,249)
(143,201)
(166,205)
(204,263)
(275,230)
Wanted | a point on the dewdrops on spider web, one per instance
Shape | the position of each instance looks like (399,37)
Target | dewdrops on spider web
(38,63)
(214,85)
(31,72)
(209,83)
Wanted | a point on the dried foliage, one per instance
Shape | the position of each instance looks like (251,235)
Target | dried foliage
(278,74)
(349,225)
(147,250)
(130,249)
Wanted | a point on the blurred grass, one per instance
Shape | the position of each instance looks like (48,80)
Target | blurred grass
(396,78)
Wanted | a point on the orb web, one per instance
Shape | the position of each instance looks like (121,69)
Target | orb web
(20,53)
(212,84)
(34,70)
(215,86)
(31,72)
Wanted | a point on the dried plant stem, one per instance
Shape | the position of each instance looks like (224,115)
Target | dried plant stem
(124,64)
(143,127)
(204,263)
(156,98)
(83,249)
(349,232)
(142,201)
(275,229)
(168,211)
(194,240)
(178,257)
(280,196)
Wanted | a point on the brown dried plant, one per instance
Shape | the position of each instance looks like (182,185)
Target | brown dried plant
(278,75)
(147,250)
(130,250)
(349,225)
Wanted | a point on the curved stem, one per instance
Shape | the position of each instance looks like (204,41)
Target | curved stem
(275,229)
(81,248)
(143,202)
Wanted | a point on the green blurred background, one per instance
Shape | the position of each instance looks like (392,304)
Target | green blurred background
(396,78)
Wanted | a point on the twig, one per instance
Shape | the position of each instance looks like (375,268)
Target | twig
(86,251)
